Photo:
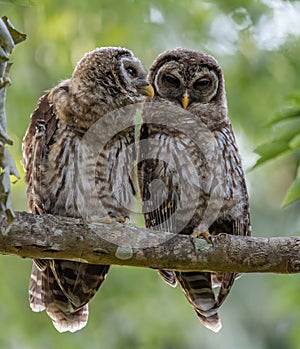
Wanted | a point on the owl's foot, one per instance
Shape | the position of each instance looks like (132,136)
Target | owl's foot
(196,234)
(106,219)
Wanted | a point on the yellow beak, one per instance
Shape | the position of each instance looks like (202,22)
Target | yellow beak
(146,90)
(185,100)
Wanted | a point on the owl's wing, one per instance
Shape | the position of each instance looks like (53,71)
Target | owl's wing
(158,193)
(158,204)
(38,137)
(240,225)
(62,288)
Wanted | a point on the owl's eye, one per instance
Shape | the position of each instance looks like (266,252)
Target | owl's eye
(131,71)
(201,83)
(171,80)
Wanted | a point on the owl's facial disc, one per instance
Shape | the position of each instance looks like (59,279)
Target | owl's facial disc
(134,77)
(186,86)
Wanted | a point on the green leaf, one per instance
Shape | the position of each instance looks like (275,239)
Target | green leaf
(295,142)
(270,151)
(293,193)
(289,114)
(287,129)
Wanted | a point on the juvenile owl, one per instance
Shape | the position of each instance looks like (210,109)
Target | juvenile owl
(70,174)
(189,170)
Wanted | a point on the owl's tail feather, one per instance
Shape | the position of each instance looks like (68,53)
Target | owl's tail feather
(41,297)
(35,290)
(213,322)
(168,277)
(71,322)
(227,282)
(198,290)
(65,300)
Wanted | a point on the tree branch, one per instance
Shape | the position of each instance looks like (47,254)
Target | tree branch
(46,236)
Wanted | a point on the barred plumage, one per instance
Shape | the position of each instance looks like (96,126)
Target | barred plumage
(189,169)
(69,171)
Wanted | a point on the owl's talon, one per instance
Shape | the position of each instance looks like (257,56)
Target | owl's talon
(196,234)
(121,219)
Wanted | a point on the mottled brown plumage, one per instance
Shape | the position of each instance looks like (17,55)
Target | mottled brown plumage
(73,168)
(189,169)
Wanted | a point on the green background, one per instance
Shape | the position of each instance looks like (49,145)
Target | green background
(257,45)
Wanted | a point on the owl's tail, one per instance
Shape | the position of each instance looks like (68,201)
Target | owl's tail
(168,277)
(65,295)
(198,291)
(71,322)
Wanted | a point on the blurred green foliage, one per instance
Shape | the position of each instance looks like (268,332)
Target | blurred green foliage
(285,139)
(257,44)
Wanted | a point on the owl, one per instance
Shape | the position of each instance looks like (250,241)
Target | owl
(70,172)
(189,169)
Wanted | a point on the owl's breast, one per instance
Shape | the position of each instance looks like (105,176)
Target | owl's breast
(207,178)
(82,178)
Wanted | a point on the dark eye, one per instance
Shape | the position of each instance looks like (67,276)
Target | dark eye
(201,83)
(171,80)
(131,71)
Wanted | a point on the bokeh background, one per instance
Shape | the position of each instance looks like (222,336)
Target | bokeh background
(257,44)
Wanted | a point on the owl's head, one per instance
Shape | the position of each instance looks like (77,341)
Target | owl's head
(113,75)
(193,80)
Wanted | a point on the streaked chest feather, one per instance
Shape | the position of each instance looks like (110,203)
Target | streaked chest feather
(80,178)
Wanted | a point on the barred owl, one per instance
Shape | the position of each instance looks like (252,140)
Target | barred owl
(189,170)
(69,176)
